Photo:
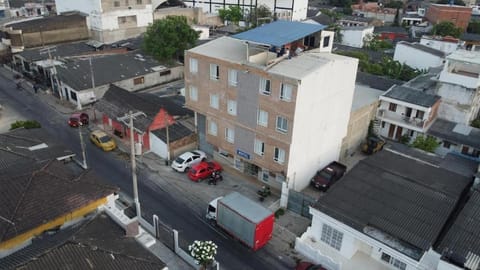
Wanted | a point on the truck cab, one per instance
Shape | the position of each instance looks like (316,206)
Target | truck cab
(212,209)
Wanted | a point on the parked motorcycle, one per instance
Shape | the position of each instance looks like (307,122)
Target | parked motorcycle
(264,192)
(216,176)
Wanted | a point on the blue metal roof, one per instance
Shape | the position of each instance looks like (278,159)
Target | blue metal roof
(279,33)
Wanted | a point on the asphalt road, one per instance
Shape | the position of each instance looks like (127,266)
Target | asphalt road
(114,168)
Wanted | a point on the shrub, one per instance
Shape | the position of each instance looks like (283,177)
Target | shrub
(475,123)
(279,212)
(428,143)
(28,124)
(405,139)
(203,252)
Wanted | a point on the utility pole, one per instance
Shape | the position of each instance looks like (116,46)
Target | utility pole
(82,145)
(91,71)
(131,116)
(168,138)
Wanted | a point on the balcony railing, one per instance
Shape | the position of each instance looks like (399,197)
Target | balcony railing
(395,117)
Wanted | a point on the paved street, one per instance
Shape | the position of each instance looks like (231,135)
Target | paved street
(114,167)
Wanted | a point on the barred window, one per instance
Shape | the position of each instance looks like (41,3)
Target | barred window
(331,237)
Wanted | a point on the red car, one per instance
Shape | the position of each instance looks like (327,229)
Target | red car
(77,118)
(203,170)
(309,266)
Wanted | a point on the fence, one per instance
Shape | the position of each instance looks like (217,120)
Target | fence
(299,203)
(170,238)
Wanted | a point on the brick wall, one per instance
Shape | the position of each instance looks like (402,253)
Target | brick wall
(460,16)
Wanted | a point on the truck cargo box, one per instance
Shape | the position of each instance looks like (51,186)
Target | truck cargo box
(246,220)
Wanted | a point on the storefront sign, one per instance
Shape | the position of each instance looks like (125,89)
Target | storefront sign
(243,154)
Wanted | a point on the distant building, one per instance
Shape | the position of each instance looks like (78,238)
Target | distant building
(375,10)
(110,21)
(458,15)
(355,21)
(393,33)
(418,56)
(25,8)
(294,10)
(355,36)
(470,42)
(444,44)
(39,31)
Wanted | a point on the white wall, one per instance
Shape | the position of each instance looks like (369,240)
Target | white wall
(310,245)
(157,146)
(416,58)
(110,19)
(459,104)
(322,112)
(298,13)
(446,47)
(85,6)
(354,37)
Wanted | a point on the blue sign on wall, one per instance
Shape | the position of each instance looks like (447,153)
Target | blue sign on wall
(243,154)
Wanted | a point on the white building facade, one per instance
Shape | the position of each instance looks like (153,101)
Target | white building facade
(444,44)
(112,20)
(295,10)
(418,56)
(354,36)
(459,85)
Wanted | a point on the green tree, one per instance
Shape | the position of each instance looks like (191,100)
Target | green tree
(475,123)
(168,38)
(232,14)
(446,28)
(394,4)
(374,43)
(347,8)
(474,27)
(455,2)
(428,143)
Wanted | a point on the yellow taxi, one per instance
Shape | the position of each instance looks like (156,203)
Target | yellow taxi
(102,140)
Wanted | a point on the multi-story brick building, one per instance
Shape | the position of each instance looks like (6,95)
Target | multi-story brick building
(459,15)
(276,115)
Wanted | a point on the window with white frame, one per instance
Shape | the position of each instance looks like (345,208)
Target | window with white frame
(214,72)
(282,124)
(286,92)
(214,101)
(262,118)
(193,65)
(232,107)
(259,147)
(393,261)
(232,77)
(279,155)
(193,91)
(229,135)
(265,87)
(212,128)
(331,237)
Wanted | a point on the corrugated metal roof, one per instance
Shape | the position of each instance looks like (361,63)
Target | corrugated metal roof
(279,33)
(401,197)
(445,130)
(249,209)
(463,238)
(412,96)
